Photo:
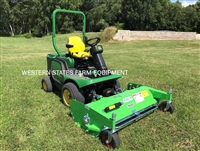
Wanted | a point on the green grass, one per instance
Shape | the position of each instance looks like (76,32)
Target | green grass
(34,120)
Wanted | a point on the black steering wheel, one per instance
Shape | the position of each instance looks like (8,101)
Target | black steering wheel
(96,41)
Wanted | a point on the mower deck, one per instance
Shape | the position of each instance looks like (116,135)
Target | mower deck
(117,111)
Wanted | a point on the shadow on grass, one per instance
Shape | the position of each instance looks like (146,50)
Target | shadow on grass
(57,92)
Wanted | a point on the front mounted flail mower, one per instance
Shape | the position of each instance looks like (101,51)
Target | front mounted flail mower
(97,102)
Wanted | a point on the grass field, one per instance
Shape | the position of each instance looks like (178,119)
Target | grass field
(34,120)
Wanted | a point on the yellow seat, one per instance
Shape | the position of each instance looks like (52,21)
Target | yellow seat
(77,48)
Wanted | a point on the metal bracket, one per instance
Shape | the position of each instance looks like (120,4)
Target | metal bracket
(114,116)
(86,119)
(170,91)
(95,96)
(109,137)
(167,105)
(135,112)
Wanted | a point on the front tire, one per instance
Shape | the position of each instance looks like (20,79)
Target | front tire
(70,91)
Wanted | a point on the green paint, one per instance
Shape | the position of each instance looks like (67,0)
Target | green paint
(54,25)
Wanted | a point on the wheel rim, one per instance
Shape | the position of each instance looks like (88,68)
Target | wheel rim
(109,144)
(66,97)
(44,85)
(163,107)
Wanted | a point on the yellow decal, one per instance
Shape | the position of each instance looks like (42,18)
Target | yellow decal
(145,93)
(111,107)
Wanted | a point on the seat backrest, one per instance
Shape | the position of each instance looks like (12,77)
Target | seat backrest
(78,45)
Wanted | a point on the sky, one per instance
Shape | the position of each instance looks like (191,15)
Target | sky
(186,2)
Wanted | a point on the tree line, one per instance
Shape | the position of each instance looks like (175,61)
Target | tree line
(34,16)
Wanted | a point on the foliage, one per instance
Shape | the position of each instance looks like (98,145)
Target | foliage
(109,32)
(26,16)
(27,35)
(119,25)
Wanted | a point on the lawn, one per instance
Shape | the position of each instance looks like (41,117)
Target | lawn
(34,120)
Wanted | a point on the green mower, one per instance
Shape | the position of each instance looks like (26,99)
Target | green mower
(92,92)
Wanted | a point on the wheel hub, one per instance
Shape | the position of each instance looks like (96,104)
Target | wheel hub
(44,85)
(166,108)
(66,97)
(108,144)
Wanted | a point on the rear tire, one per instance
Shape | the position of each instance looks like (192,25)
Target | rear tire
(70,91)
(115,142)
(47,84)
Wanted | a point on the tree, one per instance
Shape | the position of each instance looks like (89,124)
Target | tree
(101,13)
(34,16)
(6,17)
(189,19)
(145,15)
(197,7)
